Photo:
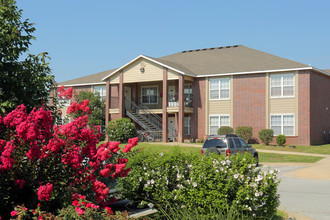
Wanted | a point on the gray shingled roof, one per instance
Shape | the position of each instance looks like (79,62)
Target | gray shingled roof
(218,60)
(231,59)
(94,78)
(328,70)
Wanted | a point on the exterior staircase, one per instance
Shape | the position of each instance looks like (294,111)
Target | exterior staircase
(148,120)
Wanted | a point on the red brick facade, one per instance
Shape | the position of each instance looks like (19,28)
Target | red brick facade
(198,117)
(319,108)
(249,102)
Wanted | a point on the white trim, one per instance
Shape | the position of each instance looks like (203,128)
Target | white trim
(284,114)
(219,78)
(252,72)
(219,115)
(151,86)
(82,84)
(282,85)
(321,71)
(152,60)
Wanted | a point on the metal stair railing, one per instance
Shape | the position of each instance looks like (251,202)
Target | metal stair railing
(149,116)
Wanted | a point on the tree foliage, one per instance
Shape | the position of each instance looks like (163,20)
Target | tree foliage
(24,78)
(96,105)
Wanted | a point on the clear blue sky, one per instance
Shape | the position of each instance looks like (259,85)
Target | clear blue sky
(85,37)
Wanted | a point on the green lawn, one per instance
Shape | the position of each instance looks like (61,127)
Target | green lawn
(314,149)
(263,157)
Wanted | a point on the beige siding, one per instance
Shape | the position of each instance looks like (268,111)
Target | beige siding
(283,105)
(152,72)
(220,107)
(172,75)
(188,78)
(114,79)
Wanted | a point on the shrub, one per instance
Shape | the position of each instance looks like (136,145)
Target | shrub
(225,130)
(280,139)
(46,164)
(121,130)
(266,135)
(215,181)
(244,132)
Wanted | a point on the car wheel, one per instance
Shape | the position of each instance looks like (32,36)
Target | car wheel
(256,160)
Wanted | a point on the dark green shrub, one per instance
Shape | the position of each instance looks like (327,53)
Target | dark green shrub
(225,130)
(245,132)
(280,139)
(202,183)
(266,135)
(121,130)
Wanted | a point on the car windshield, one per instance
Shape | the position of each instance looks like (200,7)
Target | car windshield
(214,143)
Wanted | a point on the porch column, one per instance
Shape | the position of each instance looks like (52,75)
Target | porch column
(107,105)
(165,115)
(181,109)
(121,94)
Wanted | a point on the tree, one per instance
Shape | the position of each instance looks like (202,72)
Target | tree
(96,105)
(22,80)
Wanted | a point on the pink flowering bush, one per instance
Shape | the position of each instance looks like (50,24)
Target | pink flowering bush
(46,164)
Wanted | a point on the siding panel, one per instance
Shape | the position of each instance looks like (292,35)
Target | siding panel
(152,72)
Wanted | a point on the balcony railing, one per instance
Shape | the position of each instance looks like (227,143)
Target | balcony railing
(154,102)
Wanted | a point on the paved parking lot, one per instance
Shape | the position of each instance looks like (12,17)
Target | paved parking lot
(302,197)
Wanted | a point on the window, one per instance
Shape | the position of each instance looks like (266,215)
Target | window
(243,143)
(282,124)
(219,88)
(282,85)
(237,143)
(101,90)
(216,121)
(64,102)
(187,125)
(149,95)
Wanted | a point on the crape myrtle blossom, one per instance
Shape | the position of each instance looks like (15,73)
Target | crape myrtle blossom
(29,143)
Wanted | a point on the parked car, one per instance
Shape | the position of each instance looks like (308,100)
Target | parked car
(228,144)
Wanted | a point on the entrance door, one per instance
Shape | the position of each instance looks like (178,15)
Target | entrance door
(171,128)
(128,96)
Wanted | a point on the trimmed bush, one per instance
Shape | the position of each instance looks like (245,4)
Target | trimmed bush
(121,130)
(245,132)
(266,135)
(200,182)
(225,130)
(280,139)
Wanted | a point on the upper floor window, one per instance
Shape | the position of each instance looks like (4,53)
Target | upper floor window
(101,90)
(282,85)
(150,95)
(219,88)
(282,124)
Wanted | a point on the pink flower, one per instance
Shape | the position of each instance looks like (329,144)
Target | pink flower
(80,211)
(13,213)
(65,94)
(45,191)
(108,210)
(20,183)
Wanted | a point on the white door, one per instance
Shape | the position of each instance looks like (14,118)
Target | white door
(128,95)
(171,128)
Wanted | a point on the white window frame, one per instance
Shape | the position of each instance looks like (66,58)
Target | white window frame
(219,89)
(282,126)
(64,102)
(149,103)
(282,75)
(103,88)
(221,115)
(189,125)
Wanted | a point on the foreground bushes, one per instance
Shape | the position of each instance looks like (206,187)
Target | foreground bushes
(201,182)
(121,130)
(42,165)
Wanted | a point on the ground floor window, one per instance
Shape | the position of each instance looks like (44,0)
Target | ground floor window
(216,121)
(187,125)
(282,124)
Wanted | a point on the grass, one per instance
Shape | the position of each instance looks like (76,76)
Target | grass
(282,158)
(313,149)
(263,157)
